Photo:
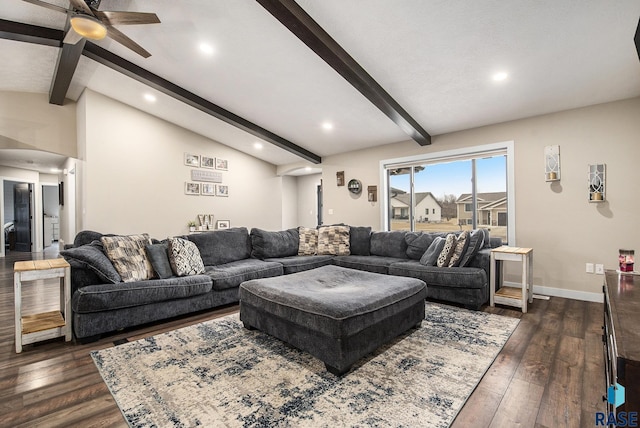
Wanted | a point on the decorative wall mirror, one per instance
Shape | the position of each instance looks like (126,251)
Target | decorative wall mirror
(354,186)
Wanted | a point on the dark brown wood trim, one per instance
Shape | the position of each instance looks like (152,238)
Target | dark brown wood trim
(292,16)
(133,71)
(68,59)
(20,32)
(637,39)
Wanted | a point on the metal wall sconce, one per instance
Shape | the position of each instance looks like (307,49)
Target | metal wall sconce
(597,187)
(340,178)
(372,193)
(552,163)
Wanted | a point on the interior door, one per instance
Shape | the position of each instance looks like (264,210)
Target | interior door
(22,216)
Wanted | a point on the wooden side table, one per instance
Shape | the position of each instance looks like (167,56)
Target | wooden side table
(48,325)
(512,296)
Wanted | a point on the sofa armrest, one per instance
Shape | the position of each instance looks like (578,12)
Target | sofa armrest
(483,260)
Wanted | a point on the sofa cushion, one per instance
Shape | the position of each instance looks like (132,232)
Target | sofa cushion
(159,257)
(308,241)
(447,251)
(222,246)
(266,244)
(476,242)
(85,237)
(375,264)
(462,242)
(430,256)
(418,243)
(333,240)
(454,277)
(232,274)
(104,297)
(184,257)
(129,256)
(91,256)
(301,263)
(360,240)
(389,244)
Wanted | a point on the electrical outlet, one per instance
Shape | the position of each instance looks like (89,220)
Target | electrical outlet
(590,268)
(600,269)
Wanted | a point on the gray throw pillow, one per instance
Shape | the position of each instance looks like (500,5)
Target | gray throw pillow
(417,244)
(159,257)
(360,240)
(430,257)
(91,256)
(487,238)
(476,242)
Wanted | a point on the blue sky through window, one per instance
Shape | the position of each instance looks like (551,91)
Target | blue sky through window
(455,177)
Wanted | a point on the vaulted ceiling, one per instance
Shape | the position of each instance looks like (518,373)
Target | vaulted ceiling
(434,60)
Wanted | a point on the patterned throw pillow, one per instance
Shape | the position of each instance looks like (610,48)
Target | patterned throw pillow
(184,257)
(334,240)
(447,250)
(129,256)
(462,243)
(308,245)
(476,242)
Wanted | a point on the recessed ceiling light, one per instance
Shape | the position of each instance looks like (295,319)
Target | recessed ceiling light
(499,77)
(258,146)
(327,126)
(307,168)
(150,97)
(206,48)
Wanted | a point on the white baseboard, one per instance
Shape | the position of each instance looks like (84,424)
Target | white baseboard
(561,292)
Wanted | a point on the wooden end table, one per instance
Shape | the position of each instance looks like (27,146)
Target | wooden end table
(48,325)
(512,296)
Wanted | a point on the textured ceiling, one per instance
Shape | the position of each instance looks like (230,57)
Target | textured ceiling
(436,58)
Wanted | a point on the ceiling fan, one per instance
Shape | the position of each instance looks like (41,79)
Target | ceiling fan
(86,21)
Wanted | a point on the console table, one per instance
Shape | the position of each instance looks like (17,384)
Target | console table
(621,336)
(510,295)
(48,325)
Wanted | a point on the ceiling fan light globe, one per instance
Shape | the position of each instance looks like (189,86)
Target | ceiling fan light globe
(88,27)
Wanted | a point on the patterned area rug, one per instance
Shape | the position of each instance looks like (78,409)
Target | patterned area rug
(217,373)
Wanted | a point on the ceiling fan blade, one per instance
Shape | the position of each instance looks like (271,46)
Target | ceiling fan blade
(47,5)
(81,5)
(127,18)
(72,37)
(125,41)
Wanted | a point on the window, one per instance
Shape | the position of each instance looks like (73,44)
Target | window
(472,188)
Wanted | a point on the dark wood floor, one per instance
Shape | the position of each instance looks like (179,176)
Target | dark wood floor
(549,374)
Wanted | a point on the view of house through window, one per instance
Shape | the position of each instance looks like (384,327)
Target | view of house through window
(444,198)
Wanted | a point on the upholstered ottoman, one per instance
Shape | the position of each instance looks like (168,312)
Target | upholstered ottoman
(336,314)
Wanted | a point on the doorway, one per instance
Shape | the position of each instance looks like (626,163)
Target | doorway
(319,193)
(22,216)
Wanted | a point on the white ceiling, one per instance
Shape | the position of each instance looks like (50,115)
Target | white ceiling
(436,58)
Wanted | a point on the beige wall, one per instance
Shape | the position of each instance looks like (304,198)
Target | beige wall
(565,230)
(28,121)
(307,209)
(133,175)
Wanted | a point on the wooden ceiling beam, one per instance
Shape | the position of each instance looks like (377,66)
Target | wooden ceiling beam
(135,72)
(292,16)
(68,59)
(20,32)
(637,39)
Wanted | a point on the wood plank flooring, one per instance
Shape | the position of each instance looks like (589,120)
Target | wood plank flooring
(549,374)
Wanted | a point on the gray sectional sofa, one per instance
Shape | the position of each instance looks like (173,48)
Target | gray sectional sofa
(101,303)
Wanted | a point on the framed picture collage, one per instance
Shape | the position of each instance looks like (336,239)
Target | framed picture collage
(207,180)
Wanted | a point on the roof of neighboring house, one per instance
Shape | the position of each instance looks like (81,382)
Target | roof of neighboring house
(484,197)
(419,197)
